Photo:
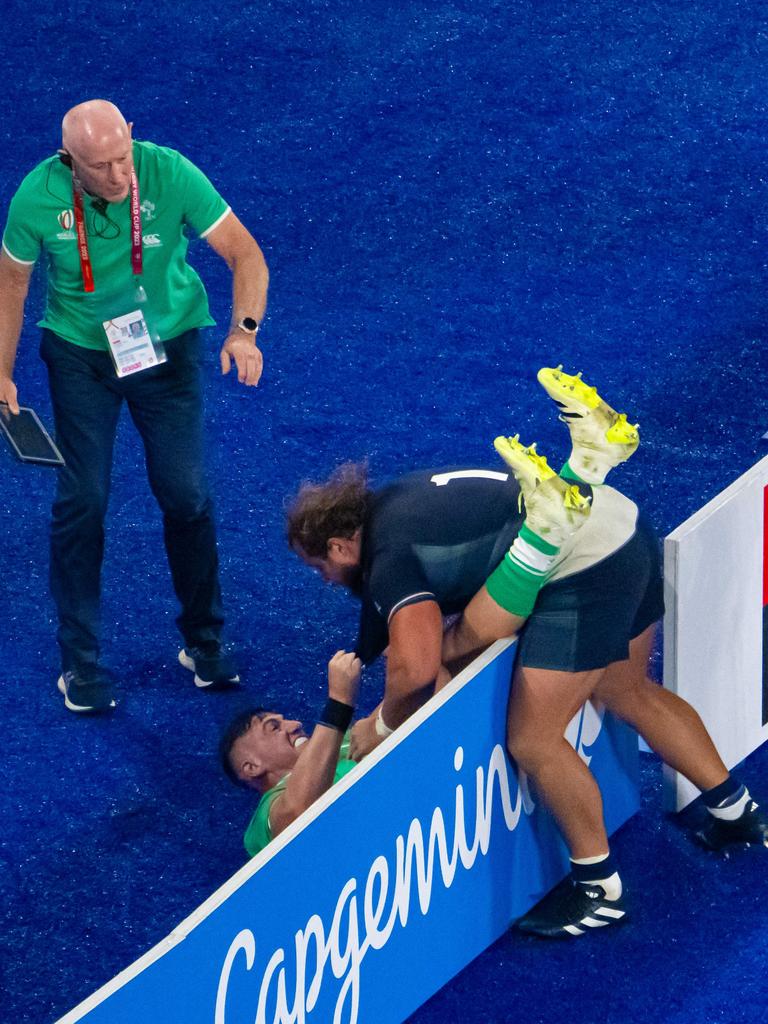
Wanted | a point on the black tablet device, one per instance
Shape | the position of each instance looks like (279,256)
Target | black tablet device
(28,438)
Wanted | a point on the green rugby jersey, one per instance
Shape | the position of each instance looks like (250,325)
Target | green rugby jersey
(174,195)
(259,832)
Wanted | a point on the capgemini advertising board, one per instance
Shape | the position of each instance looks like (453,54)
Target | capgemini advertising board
(390,884)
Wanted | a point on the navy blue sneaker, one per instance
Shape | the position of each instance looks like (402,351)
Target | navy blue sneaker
(572,908)
(750,828)
(213,667)
(86,690)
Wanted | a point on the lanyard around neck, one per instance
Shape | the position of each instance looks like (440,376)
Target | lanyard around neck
(86,266)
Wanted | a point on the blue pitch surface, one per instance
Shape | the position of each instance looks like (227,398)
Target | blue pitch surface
(449,196)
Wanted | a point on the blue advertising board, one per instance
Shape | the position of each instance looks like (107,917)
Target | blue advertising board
(407,869)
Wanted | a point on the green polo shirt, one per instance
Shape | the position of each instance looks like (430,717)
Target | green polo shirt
(259,831)
(175,198)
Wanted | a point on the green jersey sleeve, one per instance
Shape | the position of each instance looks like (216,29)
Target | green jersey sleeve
(259,831)
(21,239)
(204,208)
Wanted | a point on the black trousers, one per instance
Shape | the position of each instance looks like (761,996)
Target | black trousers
(165,403)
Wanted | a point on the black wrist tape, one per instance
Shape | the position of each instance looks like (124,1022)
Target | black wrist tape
(336,715)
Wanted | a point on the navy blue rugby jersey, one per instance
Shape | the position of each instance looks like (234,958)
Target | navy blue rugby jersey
(437,535)
(434,535)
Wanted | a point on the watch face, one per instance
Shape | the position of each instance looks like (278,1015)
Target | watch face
(249,323)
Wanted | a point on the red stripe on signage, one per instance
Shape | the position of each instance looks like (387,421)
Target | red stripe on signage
(765,547)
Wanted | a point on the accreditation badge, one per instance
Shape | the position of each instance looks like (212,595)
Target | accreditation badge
(131,344)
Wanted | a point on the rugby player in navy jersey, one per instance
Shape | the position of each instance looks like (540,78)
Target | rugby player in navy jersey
(578,576)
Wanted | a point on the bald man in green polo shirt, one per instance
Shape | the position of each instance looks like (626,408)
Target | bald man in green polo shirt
(111,217)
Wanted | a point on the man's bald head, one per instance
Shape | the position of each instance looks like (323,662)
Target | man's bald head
(91,126)
(98,138)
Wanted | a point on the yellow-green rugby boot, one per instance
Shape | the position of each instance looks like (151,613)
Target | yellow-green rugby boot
(601,437)
(555,509)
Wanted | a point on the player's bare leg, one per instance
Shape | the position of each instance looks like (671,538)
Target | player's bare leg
(668,724)
(673,729)
(542,703)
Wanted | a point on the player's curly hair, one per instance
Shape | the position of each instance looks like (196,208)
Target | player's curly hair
(336,508)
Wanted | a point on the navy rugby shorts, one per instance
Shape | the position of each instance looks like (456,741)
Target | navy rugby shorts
(586,621)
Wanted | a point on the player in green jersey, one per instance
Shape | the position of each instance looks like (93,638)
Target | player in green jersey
(274,756)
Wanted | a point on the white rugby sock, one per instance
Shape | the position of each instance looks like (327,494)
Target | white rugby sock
(610,883)
(732,811)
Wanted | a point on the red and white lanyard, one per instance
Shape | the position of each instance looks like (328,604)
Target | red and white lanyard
(86,267)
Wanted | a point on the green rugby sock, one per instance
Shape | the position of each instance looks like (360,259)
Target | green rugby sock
(516,582)
(569,473)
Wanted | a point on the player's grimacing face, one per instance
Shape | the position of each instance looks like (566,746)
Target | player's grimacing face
(272,742)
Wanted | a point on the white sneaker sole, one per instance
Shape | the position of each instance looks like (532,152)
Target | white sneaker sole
(202,684)
(80,709)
